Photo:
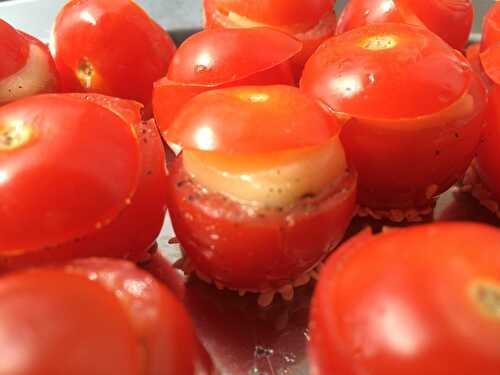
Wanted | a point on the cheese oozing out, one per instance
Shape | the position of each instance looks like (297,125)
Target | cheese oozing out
(35,77)
(268,180)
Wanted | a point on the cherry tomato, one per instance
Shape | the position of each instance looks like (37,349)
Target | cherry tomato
(57,323)
(223,58)
(491,27)
(246,245)
(451,20)
(160,322)
(374,76)
(82,35)
(99,175)
(311,23)
(388,305)
(26,67)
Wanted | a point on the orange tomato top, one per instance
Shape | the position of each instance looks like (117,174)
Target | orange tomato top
(251,120)
(14,50)
(387,71)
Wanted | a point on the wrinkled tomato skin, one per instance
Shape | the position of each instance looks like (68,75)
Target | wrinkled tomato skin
(488,158)
(56,323)
(405,154)
(133,225)
(312,24)
(223,58)
(452,22)
(161,323)
(82,35)
(387,305)
(256,251)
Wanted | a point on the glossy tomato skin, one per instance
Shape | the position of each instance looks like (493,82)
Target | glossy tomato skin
(223,58)
(387,133)
(26,67)
(100,216)
(57,323)
(256,251)
(452,21)
(160,322)
(82,34)
(387,305)
(312,24)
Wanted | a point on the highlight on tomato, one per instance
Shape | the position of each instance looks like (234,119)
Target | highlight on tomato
(223,58)
(450,20)
(80,175)
(95,316)
(386,304)
(311,22)
(416,113)
(110,47)
(260,191)
(26,66)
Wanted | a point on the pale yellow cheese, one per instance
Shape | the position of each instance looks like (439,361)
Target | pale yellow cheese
(271,180)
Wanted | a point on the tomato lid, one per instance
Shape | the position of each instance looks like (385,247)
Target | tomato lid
(214,57)
(251,120)
(386,71)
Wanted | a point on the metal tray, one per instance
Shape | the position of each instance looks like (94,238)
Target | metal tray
(242,338)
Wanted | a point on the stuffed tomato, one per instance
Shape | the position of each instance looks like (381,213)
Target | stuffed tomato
(121,322)
(80,175)
(260,191)
(413,109)
(450,20)
(311,23)
(26,67)
(221,58)
(387,305)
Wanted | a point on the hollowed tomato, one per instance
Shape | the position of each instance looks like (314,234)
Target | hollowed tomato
(450,20)
(223,58)
(80,175)
(284,216)
(26,66)
(422,300)
(110,47)
(311,23)
(415,109)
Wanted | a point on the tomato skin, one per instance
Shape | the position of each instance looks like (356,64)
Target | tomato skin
(161,323)
(122,224)
(82,34)
(262,119)
(387,305)
(13,49)
(257,251)
(311,24)
(452,21)
(46,330)
(223,58)
(491,27)
(384,137)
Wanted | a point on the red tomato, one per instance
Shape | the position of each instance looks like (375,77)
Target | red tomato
(239,245)
(374,75)
(223,58)
(490,61)
(488,158)
(311,23)
(491,27)
(55,323)
(82,35)
(451,20)
(388,305)
(26,67)
(160,322)
(102,195)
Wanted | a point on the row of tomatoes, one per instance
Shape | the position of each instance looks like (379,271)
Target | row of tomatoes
(263,180)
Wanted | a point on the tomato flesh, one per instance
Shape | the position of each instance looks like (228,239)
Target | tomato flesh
(223,58)
(82,35)
(388,305)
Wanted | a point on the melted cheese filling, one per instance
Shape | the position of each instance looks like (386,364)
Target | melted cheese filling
(32,79)
(272,180)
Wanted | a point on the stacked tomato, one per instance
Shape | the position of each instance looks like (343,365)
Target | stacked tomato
(261,179)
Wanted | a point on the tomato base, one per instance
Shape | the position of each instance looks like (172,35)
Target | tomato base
(473,184)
